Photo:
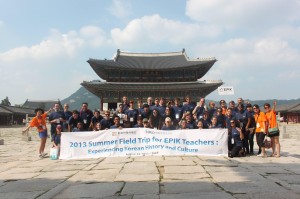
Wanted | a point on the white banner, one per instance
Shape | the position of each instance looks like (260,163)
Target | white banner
(143,142)
(226,90)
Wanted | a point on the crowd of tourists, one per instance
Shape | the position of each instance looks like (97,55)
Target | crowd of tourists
(243,121)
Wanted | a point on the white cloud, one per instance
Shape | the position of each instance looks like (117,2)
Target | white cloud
(120,9)
(246,13)
(93,36)
(56,45)
(157,30)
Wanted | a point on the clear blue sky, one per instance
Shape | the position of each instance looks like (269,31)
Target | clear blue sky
(44,45)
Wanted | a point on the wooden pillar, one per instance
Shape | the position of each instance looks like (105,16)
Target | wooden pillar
(101,103)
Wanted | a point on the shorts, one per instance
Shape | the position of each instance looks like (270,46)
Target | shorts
(260,137)
(43,134)
(273,135)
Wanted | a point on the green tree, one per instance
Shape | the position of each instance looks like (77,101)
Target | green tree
(5,102)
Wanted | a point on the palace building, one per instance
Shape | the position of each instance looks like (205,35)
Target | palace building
(140,75)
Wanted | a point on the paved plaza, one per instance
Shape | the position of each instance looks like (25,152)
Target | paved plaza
(24,175)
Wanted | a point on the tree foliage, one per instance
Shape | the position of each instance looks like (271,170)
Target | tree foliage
(5,102)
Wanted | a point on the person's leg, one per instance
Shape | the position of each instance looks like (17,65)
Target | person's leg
(273,146)
(235,151)
(43,143)
(277,145)
(251,142)
(257,141)
(261,137)
(41,148)
(246,143)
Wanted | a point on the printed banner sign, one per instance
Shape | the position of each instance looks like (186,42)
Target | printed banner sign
(143,142)
(226,90)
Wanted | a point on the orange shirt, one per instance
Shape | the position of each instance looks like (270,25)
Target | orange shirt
(39,123)
(260,122)
(271,118)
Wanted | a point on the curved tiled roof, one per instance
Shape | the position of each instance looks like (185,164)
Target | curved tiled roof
(3,111)
(139,90)
(151,61)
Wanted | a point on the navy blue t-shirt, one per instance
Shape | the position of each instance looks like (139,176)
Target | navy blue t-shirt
(105,124)
(53,116)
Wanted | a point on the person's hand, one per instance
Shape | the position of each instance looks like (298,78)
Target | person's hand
(24,131)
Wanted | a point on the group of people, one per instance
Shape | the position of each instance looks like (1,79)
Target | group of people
(242,120)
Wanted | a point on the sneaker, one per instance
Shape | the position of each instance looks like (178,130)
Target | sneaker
(44,154)
(261,155)
(41,156)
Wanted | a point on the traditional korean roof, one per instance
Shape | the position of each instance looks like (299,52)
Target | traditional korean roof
(44,104)
(3,111)
(288,108)
(17,110)
(109,90)
(171,61)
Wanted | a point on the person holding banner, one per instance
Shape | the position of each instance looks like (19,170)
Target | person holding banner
(117,123)
(168,125)
(139,123)
(39,121)
(97,126)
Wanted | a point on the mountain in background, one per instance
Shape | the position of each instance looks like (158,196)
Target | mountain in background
(82,95)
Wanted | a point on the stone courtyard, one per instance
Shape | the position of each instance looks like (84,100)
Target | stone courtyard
(24,175)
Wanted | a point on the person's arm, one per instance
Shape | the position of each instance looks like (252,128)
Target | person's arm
(241,134)
(274,105)
(26,129)
(54,145)
(248,123)
(195,109)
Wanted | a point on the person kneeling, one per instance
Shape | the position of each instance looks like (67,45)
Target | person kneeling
(236,137)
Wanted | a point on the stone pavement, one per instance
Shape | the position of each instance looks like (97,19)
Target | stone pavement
(24,175)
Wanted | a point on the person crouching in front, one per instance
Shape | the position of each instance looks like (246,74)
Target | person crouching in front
(168,124)
(236,136)
(79,127)
(117,124)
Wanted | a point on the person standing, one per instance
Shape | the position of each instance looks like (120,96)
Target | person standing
(86,114)
(250,128)
(68,114)
(105,122)
(260,130)
(57,117)
(188,106)
(200,109)
(39,121)
(131,113)
(73,120)
(272,123)
(95,119)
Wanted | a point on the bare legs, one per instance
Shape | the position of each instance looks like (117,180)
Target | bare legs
(275,146)
(42,145)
